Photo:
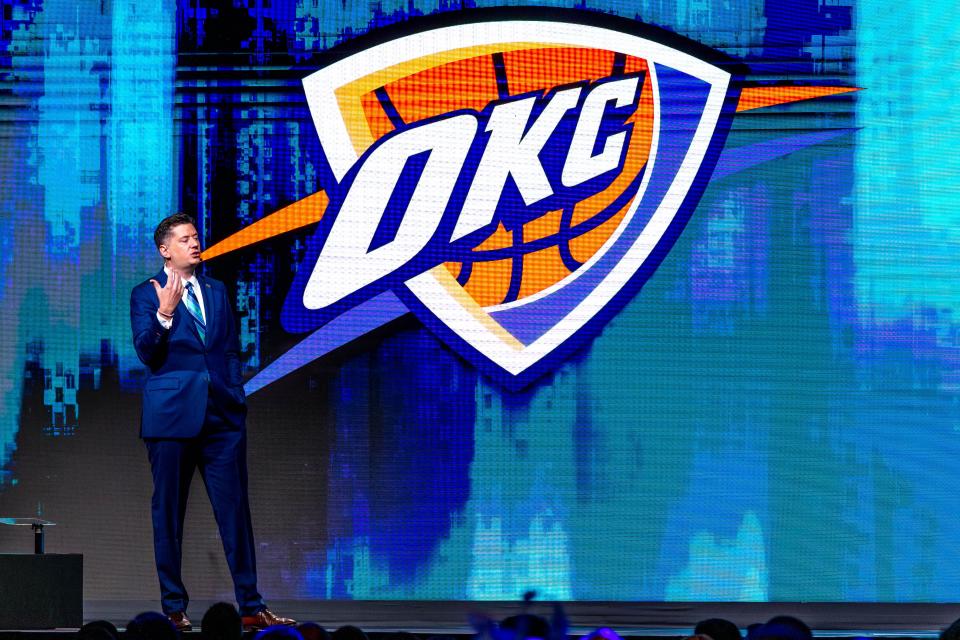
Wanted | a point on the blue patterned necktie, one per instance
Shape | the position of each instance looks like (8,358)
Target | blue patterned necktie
(193,308)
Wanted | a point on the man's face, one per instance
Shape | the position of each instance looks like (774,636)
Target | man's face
(182,248)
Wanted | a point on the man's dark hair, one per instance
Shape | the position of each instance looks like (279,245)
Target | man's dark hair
(221,622)
(718,629)
(168,223)
(151,625)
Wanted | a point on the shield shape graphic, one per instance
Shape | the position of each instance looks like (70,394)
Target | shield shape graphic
(539,281)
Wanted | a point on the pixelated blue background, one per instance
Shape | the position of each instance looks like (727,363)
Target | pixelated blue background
(774,417)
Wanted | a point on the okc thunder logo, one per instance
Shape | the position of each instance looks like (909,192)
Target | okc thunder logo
(512,182)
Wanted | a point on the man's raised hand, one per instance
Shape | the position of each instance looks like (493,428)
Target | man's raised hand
(170,294)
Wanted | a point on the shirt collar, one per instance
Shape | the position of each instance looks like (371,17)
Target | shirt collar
(192,279)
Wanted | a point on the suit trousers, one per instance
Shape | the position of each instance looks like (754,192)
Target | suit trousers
(220,454)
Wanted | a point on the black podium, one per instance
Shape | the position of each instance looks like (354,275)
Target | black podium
(40,590)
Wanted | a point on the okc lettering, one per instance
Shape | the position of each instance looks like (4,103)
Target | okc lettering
(514,135)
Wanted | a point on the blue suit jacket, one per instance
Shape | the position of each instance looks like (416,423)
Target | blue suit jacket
(182,371)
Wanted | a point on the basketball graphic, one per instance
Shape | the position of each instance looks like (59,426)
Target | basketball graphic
(513,182)
(511,264)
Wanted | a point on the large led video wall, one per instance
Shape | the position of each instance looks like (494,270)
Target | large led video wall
(617,301)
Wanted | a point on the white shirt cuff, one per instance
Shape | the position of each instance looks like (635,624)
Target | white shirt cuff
(166,324)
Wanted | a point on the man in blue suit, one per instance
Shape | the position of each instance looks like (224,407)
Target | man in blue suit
(194,416)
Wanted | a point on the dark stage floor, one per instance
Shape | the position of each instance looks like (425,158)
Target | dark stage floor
(657,621)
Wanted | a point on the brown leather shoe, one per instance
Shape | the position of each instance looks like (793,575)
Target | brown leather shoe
(263,619)
(180,620)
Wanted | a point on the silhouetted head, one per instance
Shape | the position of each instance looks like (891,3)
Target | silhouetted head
(313,631)
(952,632)
(278,632)
(98,630)
(780,628)
(718,629)
(793,623)
(526,625)
(221,622)
(400,635)
(151,625)
(349,632)
(603,633)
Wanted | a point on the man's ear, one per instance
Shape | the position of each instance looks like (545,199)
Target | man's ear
(164,251)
